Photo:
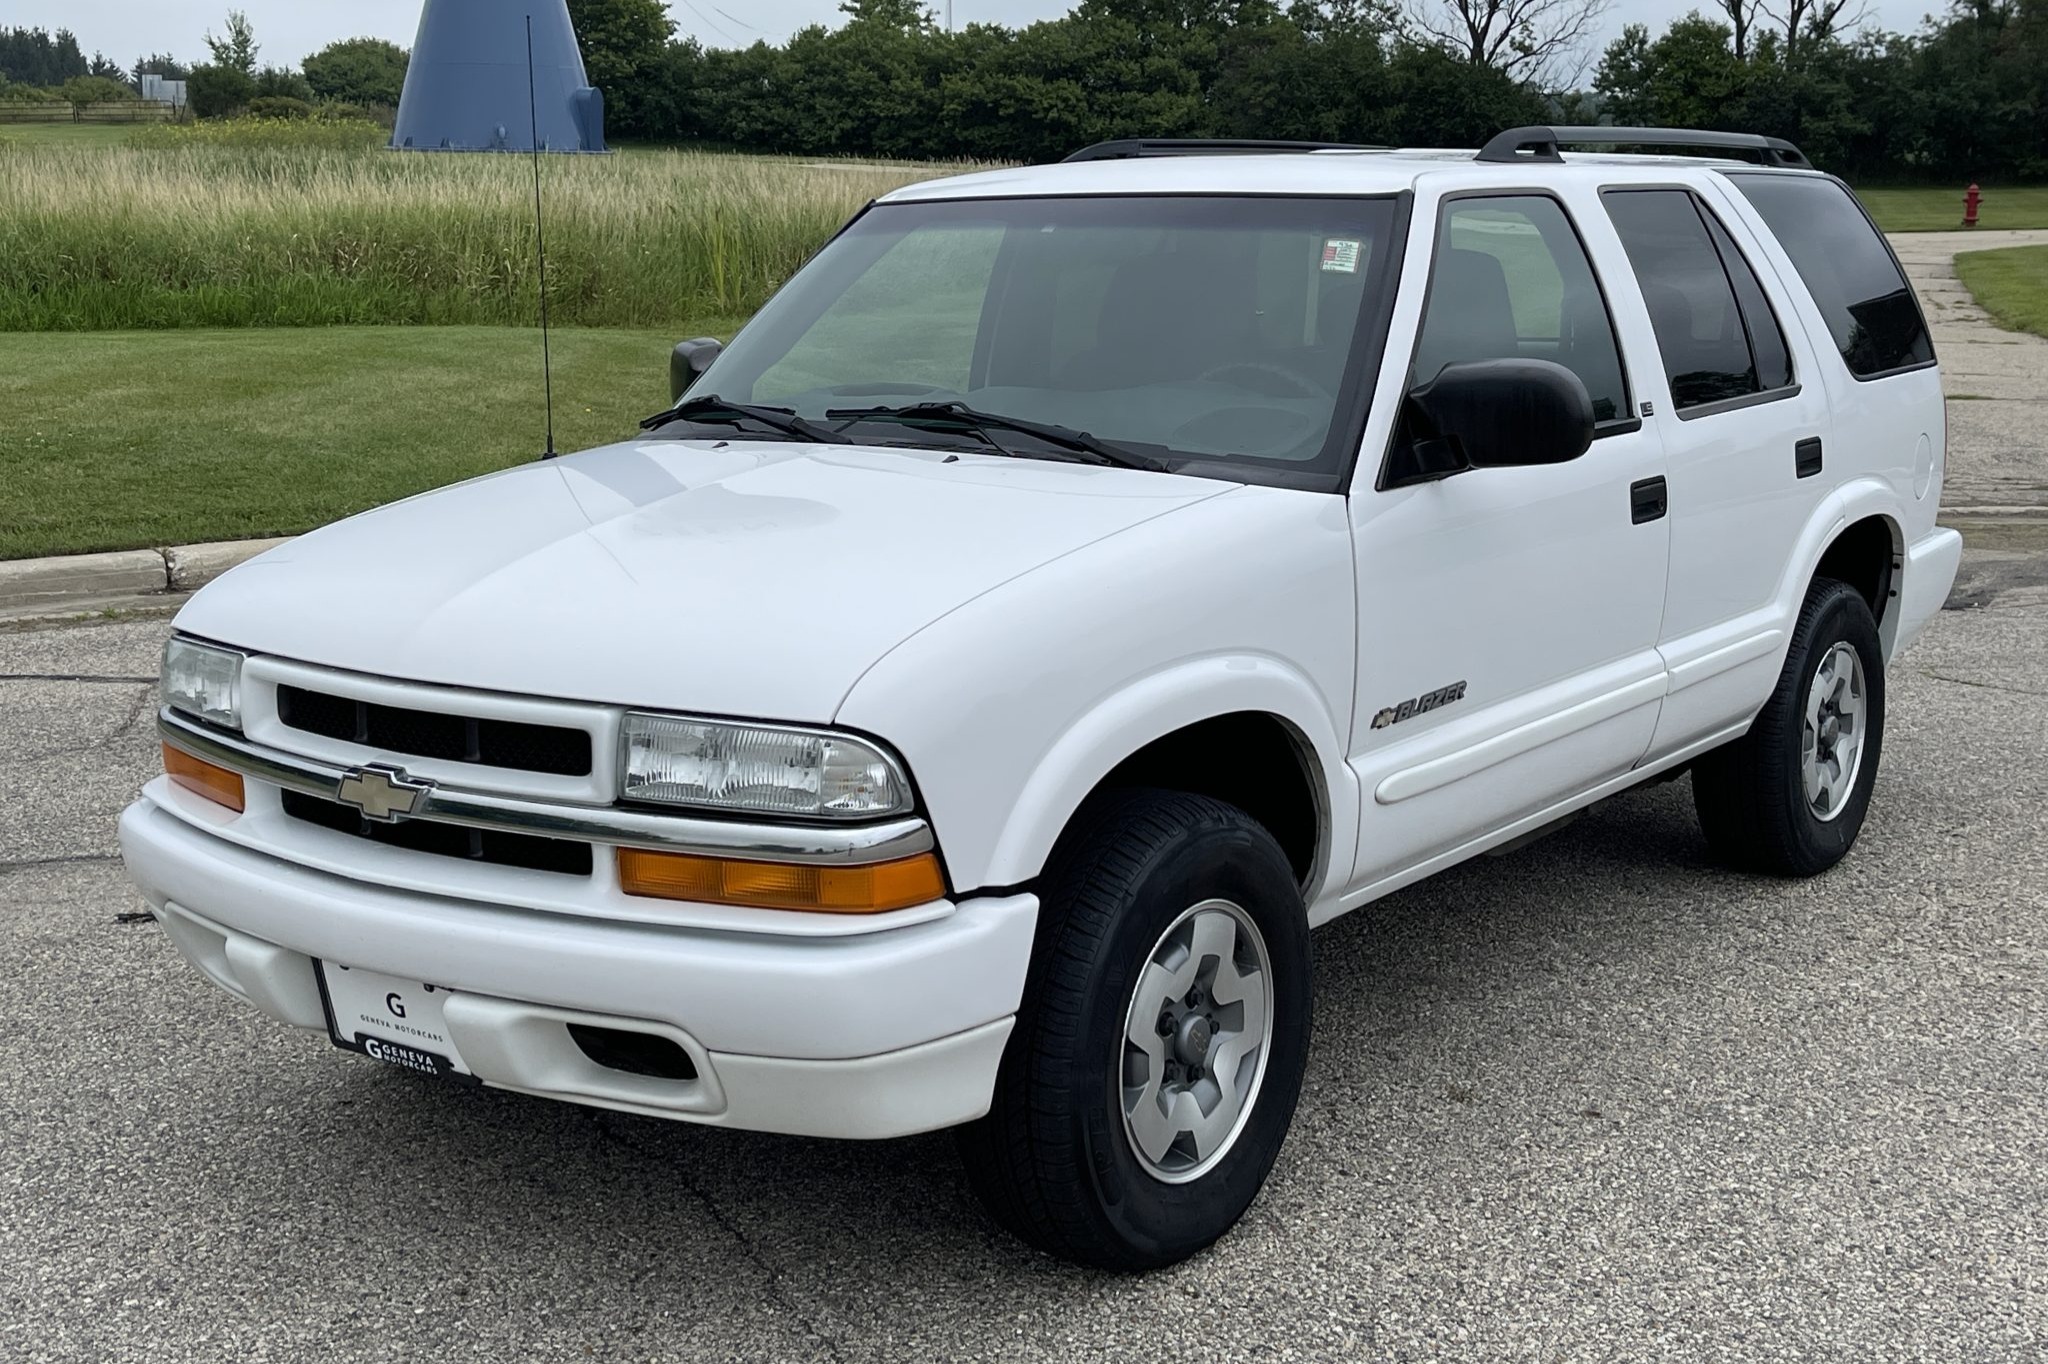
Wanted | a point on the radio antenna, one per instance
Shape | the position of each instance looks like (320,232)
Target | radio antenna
(547,364)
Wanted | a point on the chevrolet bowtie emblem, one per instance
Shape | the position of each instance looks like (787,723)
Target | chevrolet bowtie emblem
(385,794)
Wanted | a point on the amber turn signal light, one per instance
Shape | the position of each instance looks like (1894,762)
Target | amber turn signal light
(197,775)
(870,889)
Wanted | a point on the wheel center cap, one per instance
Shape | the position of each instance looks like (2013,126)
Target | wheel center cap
(1192,1043)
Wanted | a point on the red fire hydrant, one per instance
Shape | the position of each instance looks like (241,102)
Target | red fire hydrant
(1971,198)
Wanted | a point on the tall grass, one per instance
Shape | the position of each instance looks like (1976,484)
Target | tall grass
(102,238)
(289,134)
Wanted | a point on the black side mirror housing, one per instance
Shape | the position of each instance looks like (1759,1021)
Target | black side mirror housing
(687,363)
(1492,414)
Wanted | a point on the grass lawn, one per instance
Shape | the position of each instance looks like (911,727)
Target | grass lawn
(1941,209)
(124,440)
(2011,285)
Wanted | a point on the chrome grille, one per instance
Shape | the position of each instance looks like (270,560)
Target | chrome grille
(492,846)
(511,744)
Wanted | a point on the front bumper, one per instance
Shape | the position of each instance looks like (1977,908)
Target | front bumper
(857,1035)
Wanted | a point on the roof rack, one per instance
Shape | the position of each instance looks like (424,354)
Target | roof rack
(1125,148)
(1540,143)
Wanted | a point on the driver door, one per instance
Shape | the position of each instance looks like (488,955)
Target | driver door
(1508,617)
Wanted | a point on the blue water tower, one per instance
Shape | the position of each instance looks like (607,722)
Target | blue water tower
(466,89)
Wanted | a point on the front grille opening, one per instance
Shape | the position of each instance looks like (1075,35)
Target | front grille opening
(636,1053)
(512,744)
(527,851)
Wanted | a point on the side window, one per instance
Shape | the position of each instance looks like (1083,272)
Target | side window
(1511,281)
(1766,337)
(1868,305)
(1714,326)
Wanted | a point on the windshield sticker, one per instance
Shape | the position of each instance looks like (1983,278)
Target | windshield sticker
(1340,254)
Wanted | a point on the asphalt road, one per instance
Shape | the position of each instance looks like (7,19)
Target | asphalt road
(1593,1100)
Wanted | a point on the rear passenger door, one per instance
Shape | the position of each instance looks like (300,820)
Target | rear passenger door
(1745,427)
(1507,616)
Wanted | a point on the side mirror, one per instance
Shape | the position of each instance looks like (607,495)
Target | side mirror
(687,363)
(1491,414)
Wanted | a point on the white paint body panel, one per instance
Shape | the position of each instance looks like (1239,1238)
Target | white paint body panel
(745,579)
(1531,586)
(1737,505)
(1016,629)
(877,1035)
(1244,605)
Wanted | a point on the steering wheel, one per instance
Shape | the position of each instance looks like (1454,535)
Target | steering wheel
(1300,385)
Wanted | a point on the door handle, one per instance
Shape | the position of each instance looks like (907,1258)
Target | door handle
(1806,457)
(1647,500)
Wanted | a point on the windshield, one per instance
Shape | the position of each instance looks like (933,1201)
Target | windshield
(1217,335)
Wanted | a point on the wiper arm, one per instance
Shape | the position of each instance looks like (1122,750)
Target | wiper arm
(721,412)
(1078,445)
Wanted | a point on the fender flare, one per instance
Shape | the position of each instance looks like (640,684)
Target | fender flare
(1149,708)
(1860,499)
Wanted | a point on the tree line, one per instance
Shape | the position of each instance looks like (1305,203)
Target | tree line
(1965,96)
(353,77)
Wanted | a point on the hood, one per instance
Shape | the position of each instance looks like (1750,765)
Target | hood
(735,578)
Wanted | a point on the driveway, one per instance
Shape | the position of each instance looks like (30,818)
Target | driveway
(1997,382)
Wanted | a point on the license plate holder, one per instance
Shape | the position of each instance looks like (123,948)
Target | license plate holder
(389,1019)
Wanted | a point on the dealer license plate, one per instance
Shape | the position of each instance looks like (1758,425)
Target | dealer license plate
(389,1019)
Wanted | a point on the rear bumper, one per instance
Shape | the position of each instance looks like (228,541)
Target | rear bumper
(1930,571)
(867,1035)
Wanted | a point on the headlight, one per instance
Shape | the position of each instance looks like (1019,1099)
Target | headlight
(203,682)
(760,770)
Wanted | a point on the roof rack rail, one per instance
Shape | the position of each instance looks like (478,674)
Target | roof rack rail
(1540,143)
(1125,148)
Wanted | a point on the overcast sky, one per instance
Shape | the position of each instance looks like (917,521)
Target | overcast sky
(289,29)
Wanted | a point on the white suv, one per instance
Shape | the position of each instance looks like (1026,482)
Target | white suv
(1077,584)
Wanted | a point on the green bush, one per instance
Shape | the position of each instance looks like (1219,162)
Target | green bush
(216,91)
(279,106)
(358,70)
(383,115)
(81,92)
(275,82)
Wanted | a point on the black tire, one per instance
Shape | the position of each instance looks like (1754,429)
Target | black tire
(1052,1161)
(1750,794)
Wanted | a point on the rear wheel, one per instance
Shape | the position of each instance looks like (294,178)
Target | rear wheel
(1789,797)
(1156,1060)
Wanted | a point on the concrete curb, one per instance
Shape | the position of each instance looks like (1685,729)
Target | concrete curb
(55,586)
(191,567)
(39,583)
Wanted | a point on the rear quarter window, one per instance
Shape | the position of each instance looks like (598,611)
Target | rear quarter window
(1867,303)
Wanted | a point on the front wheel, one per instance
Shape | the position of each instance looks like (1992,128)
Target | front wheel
(1159,1051)
(1789,796)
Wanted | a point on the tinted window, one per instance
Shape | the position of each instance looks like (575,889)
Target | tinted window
(1185,328)
(1512,280)
(1766,338)
(1867,303)
(1700,328)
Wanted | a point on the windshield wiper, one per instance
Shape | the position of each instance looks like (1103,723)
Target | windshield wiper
(716,411)
(1076,445)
